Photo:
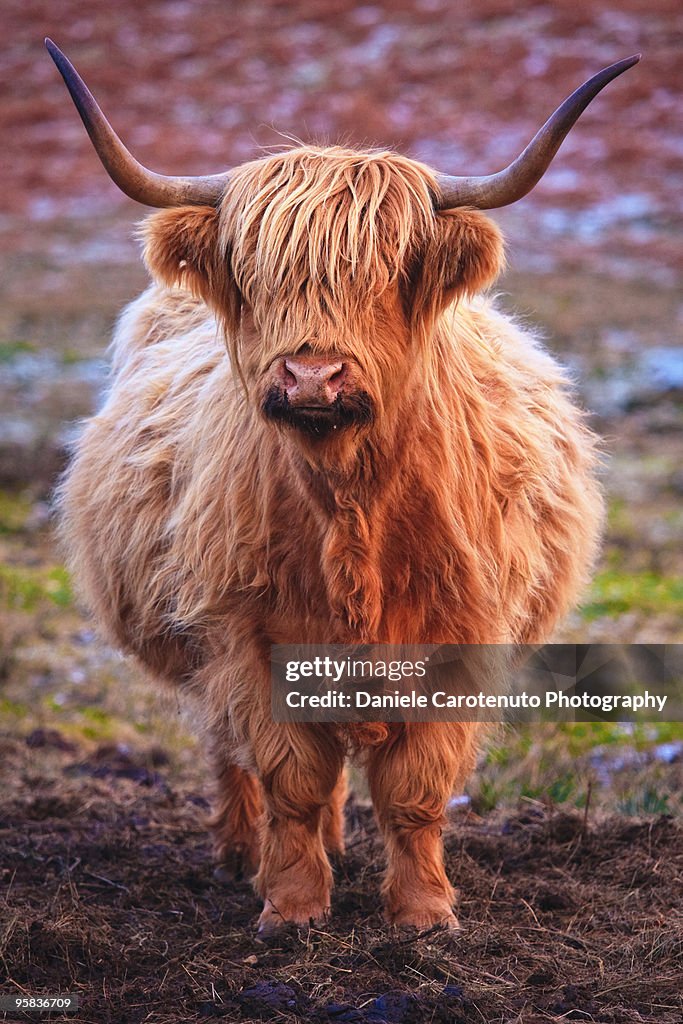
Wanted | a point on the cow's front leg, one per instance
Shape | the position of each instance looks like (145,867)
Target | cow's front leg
(299,767)
(411,778)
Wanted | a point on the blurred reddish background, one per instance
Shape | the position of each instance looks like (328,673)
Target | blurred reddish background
(196,85)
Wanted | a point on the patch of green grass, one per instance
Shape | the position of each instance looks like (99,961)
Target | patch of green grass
(559,790)
(614,592)
(488,796)
(100,729)
(14,511)
(575,739)
(9,350)
(620,518)
(648,801)
(71,356)
(12,707)
(90,723)
(23,589)
(582,737)
(98,715)
(508,790)
(50,704)
(559,764)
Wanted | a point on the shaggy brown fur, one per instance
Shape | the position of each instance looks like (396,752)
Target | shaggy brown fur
(463,509)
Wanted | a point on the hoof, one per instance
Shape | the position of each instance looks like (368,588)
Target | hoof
(225,875)
(424,918)
(273,918)
(234,865)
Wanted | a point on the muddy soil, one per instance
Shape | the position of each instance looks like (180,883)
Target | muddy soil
(110,894)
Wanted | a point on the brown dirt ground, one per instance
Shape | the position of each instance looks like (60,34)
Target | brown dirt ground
(110,894)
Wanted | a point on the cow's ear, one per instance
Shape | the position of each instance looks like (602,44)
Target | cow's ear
(182,247)
(463,256)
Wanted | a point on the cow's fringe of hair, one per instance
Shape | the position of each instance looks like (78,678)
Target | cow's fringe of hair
(314,236)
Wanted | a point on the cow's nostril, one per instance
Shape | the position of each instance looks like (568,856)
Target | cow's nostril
(289,377)
(338,376)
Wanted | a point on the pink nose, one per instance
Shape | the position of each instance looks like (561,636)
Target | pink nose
(312,380)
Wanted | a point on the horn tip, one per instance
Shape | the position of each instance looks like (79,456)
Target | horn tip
(54,51)
(628,62)
(614,70)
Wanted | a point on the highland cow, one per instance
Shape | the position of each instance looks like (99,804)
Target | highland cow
(317,431)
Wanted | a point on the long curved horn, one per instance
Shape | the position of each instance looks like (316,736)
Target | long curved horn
(131,177)
(509,185)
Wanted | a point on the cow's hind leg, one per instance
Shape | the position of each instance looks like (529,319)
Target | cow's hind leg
(411,778)
(299,767)
(333,818)
(236,821)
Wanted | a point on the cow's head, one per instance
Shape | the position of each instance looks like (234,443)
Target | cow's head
(328,266)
